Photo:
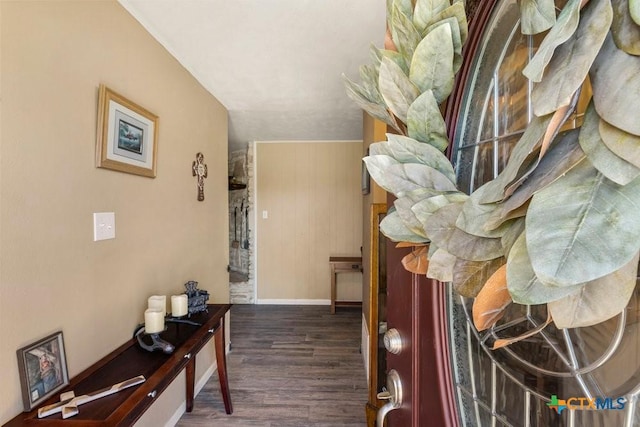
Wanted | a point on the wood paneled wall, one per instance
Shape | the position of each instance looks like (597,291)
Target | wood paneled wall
(311,193)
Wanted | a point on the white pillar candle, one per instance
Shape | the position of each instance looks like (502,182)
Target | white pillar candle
(159,302)
(179,305)
(153,321)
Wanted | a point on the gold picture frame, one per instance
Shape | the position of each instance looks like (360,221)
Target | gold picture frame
(127,138)
(42,366)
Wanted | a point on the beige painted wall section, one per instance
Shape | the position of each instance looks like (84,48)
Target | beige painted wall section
(54,54)
(312,194)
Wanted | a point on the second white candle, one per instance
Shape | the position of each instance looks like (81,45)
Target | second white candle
(179,305)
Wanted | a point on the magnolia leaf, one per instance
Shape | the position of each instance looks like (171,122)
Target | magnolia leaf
(564,27)
(456,10)
(432,249)
(403,207)
(502,215)
(376,55)
(564,154)
(634,11)
(398,178)
(441,229)
(597,301)
(570,64)
(536,16)
(389,44)
(470,276)
(557,120)
(474,215)
(369,77)
(408,150)
(432,63)
(456,39)
(380,148)
(582,227)
(393,227)
(389,174)
(528,144)
(621,143)
(441,266)
(400,245)
(524,286)
(427,177)
(625,32)
(425,193)
(405,6)
(397,58)
(616,87)
(426,207)
(511,235)
(425,122)
(491,301)
(396,89)
(360,97)
(404,33)
(426,10)
(416,261)
(601,157)
(503,342)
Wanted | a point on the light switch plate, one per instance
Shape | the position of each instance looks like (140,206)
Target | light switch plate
(104,226)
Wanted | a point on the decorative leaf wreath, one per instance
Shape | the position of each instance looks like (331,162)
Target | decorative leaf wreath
(560,224)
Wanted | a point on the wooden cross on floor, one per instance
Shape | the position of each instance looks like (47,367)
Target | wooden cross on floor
(199,169)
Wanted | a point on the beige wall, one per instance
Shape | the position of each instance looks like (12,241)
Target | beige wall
(54,55)
(312,194)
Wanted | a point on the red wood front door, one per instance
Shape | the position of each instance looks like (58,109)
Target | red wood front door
(417,308)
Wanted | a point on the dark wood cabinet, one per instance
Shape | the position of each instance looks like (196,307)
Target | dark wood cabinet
(130,360)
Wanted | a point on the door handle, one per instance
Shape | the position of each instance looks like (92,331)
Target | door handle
(382,413)
(393,394)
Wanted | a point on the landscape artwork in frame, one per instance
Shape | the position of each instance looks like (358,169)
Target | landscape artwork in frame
(127,139)
(366,179)
(43,369)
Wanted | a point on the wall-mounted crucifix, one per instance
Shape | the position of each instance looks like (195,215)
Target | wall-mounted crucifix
(199,170)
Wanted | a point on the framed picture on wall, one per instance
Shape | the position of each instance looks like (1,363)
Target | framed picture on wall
(43,369)
(127,139)
(366,179)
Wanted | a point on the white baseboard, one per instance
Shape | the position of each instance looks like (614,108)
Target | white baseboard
(294,301)
(177,415)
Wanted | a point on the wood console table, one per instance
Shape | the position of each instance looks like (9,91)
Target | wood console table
(341,265)
(159,369)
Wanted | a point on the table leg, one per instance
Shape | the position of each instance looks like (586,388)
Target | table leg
(333,289)
(190,372)
(221,360)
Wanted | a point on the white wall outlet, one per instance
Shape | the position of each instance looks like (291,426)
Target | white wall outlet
(265,214)
(104,226)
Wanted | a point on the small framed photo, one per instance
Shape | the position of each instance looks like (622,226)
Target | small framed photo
(366,179)
(43,369)
(127,139)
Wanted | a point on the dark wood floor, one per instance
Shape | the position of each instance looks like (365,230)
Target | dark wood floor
(289,366)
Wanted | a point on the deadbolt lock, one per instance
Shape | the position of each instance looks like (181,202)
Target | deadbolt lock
(393,341)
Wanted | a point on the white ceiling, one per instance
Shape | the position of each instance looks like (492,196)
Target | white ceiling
(276,65)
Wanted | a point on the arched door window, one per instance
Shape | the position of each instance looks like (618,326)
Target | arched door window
(596,367)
